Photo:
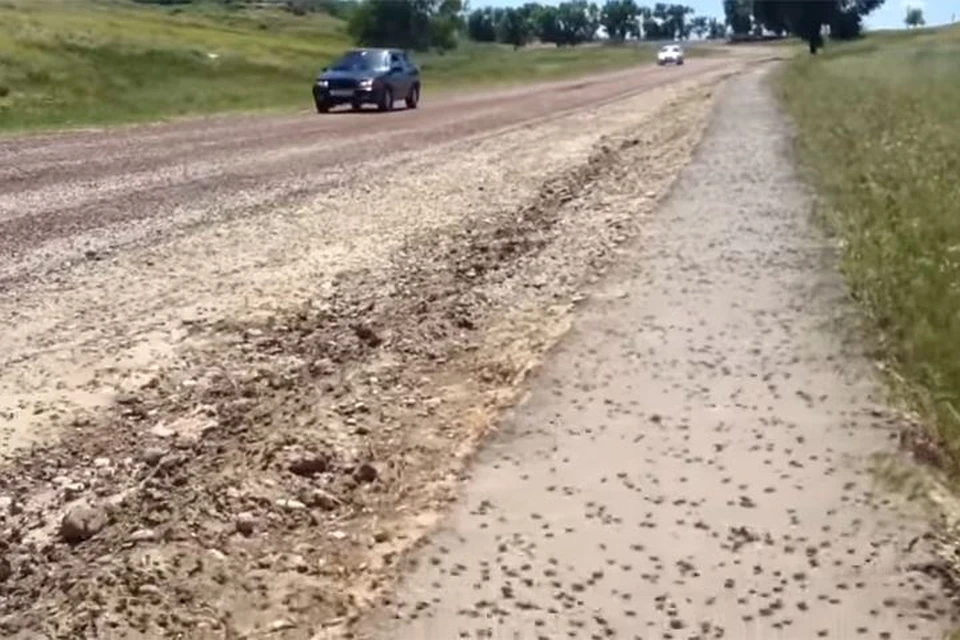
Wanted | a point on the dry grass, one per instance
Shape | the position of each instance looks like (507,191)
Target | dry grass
(877,123)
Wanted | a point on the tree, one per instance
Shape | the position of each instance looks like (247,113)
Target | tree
(914,17)
(700,26)
(738,13)
(513,28)
(577,21)
(482,25)
(769,16)
(716,29)
(806,19)
(546,25)
(619,18)
(677,21)
(409,24)
(649,28)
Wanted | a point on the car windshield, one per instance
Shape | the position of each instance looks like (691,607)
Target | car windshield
(670,49)
(360,61)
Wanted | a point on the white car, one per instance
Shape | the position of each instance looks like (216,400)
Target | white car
(670,54)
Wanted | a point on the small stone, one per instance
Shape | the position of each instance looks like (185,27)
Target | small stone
(162,431)
(291,505)
(366,473)
(280,625)
(143,535)
(314,497)
(82,522)
(309,465)
(246,523)
(381,536)
(73,490)
(172,461)
(153,455)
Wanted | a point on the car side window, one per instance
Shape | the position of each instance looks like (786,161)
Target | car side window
(395,60)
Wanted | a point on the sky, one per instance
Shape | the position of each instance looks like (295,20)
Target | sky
(888,16)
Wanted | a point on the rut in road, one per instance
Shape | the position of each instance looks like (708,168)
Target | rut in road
(694,462)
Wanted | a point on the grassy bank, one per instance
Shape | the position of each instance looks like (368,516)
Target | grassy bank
(78,62)
(879,126)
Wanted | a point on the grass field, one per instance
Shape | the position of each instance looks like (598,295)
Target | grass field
(879,127)
(78,62)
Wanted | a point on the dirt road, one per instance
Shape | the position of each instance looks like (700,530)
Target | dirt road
(246,362)
(245,359)
(695,460)
(64,195)
(284,193)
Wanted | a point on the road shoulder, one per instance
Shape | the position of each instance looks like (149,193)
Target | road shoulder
(695,459)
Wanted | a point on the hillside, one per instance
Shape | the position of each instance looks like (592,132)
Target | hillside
(80,62)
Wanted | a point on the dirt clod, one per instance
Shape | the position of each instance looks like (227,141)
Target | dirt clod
(315,497)
(366,473)
(82,522)
(246,523)
(309,464)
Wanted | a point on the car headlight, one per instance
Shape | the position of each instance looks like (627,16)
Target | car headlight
(322,83)
(366,83)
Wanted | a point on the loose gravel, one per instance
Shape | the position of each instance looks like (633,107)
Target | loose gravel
(282,393)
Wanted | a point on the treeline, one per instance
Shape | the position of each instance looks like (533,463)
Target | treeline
(578,21)
(806,19)
(440,24)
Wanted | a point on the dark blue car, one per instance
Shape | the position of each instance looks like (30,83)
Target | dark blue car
(368,76)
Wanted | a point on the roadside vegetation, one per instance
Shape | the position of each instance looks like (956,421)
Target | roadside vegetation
(877,123)
(86,62)
(756,19)
(91,62)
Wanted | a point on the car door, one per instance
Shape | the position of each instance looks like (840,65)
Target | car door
(399,75)
(413,73)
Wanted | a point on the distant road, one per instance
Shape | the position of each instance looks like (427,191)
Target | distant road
(64,196)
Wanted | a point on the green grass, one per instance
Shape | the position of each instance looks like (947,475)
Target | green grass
(79,62)
(484,65)
(85,62)
(879,128)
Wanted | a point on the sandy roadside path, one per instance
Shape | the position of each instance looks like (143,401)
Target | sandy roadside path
(694,461)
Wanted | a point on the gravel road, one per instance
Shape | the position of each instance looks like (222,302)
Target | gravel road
(64,195)
(246,359)
(115,244)
(695,460)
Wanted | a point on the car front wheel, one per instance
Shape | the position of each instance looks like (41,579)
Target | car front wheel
(386,99)
(413,99)
(322,107)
